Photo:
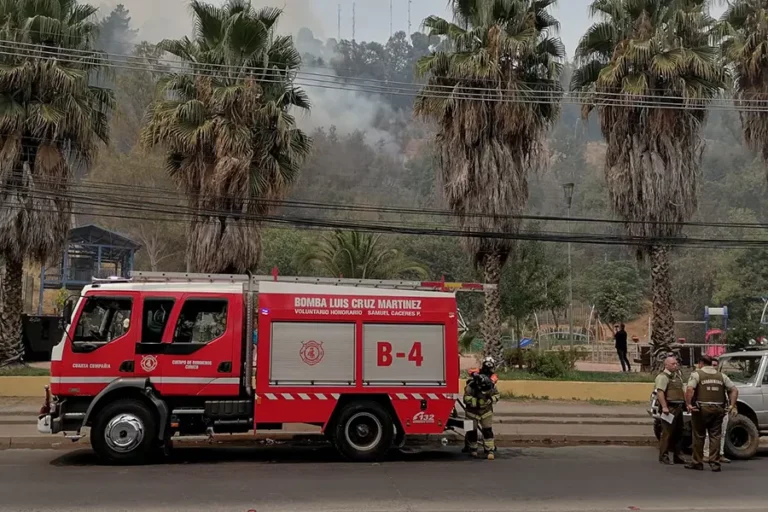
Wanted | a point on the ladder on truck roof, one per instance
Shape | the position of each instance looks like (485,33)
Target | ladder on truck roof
(251,284)
(437,286)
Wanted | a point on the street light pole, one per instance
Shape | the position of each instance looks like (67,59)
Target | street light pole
(568,191)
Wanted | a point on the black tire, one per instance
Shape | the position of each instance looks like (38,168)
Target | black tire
(742,438)
(657,429)
(133,438)
(398,442)
(363,431)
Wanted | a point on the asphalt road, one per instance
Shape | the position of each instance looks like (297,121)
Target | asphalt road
(312,479)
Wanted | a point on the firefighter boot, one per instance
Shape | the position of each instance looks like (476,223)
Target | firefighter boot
(488,441)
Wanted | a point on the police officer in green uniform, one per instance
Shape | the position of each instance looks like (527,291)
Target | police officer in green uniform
(670,393)
(705,399)
(480,394)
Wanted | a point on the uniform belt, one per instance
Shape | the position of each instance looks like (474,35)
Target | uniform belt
(721,404)
(675,402)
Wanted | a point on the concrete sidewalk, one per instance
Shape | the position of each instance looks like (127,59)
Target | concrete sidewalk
(516,423)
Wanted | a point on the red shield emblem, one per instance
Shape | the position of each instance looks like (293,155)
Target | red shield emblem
(311,352)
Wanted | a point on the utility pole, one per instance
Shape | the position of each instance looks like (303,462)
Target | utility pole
(338,25)
(390,18)
(354,13)
(568,191)
(409,18)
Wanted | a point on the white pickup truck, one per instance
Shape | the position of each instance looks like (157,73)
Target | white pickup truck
(749,371)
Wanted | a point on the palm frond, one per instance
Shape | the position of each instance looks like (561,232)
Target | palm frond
(230,137)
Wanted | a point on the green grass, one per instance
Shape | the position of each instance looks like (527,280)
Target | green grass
(523,398)
(595,401)
(577,376)
(592,401)
(23,371)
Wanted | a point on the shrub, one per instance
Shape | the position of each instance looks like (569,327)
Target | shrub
(554,364)
(571,356)
(513,358)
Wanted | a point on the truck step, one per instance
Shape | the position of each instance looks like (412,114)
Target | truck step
(225,409)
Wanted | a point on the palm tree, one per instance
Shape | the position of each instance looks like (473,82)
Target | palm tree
(502,55)
(52,118)
(657,51)
(358,256)
(225,124)
(744,29)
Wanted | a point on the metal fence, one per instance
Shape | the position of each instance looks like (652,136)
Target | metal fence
(605,353)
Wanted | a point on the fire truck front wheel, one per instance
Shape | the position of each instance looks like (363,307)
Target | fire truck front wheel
(125,432)
(364,431)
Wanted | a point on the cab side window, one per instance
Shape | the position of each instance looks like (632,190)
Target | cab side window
(201,321)
(157,312)
(102,320)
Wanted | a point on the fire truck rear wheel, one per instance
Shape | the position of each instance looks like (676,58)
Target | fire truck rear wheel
(364,432)
(125,432)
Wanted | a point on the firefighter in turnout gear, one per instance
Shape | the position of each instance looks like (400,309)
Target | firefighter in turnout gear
(670,392)
(480,394)
(706,398)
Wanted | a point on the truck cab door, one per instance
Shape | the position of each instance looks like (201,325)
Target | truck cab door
(762,385)
(101,345)
(200,352)
(156,312)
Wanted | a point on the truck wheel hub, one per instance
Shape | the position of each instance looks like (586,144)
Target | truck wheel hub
(364,431)
(124,433)
(739,437)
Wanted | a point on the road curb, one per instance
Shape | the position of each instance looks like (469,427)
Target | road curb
(502,440)
(571,421)
(525,414)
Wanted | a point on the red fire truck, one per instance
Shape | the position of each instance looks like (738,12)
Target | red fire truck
(147,359)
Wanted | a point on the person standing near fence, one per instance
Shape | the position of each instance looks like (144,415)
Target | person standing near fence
(620,336)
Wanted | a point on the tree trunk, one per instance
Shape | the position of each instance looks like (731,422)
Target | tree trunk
(663,323)
(491,327)
(11,346)
(557,320)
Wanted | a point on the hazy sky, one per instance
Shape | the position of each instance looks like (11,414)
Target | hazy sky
(159,19)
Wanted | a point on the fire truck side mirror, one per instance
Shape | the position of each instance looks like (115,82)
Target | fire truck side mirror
(66,314)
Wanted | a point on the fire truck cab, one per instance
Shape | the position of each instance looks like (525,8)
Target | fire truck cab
(146,360)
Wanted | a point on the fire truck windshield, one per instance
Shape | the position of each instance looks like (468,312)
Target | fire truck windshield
(103,319)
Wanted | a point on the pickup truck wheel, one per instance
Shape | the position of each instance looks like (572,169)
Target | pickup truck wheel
(742,438)
(125,432)
(363,432)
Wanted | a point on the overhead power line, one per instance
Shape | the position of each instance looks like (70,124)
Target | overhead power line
(106,58)
(101,205)
(109,55)
(373,227)
(520,95)
(100,189)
